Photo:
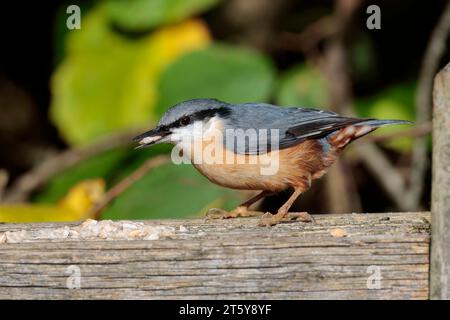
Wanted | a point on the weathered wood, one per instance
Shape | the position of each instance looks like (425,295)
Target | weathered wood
(330,259)
(440,206)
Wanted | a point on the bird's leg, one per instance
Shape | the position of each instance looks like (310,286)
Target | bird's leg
(239,211)
(270,220)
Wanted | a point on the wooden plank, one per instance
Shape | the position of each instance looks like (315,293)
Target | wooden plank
(337,257)
(440,207)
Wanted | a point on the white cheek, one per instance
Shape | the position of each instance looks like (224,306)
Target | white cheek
(184,137)
(179,134)
(213,127)
(188,132)
(196,132)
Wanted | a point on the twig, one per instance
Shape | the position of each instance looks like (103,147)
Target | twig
(340,98)
(384,172)
(124,184)
(430,65)
(340,178)
(36,177)
(4,177)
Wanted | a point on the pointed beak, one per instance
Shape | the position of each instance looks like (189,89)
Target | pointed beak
(152,137)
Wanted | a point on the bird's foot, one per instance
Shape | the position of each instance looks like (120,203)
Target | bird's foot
(268,219)
(300,216)
(216,213)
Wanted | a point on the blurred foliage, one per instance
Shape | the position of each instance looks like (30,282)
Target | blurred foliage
(159,194)
(362,59)
(107,83)
(395,102)
(76,205)
(302,85)
(141,15)
(171,191)
(102,165)
(220,71)
(134,59)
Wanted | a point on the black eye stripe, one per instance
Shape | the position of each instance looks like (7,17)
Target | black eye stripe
(185,120)
(223,112)
(199,115)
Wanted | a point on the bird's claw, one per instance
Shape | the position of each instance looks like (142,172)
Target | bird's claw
(301,216)
(241,211)
(216,213)
(268,219)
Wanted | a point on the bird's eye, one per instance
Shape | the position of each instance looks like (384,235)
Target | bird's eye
(185,121)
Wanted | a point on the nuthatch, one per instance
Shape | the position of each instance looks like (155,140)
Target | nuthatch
(235,145)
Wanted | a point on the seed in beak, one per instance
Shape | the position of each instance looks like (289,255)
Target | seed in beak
(148,140)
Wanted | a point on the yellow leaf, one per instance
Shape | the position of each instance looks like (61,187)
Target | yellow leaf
(76,205)
(83,196)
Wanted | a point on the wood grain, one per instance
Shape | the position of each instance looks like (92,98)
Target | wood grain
(229,259)
(440,251)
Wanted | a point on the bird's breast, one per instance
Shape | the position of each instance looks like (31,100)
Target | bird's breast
(273,171)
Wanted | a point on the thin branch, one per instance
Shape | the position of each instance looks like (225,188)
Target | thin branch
(384,172)
(340,98)
(4,177)
(124,184)
(39,175)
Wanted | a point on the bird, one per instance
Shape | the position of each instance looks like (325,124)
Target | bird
(258,146)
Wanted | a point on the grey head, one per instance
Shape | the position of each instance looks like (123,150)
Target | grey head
(198,109)
(183,115)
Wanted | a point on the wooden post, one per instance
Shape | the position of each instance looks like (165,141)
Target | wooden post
(440,207)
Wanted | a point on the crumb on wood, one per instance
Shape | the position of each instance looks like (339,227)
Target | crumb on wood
(95,230)
(338,233)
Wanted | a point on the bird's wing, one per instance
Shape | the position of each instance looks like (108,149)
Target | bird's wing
(318,127)
(284,127)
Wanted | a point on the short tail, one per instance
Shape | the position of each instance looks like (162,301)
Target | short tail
(357,130)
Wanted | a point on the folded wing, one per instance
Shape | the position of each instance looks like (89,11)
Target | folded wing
(291,126)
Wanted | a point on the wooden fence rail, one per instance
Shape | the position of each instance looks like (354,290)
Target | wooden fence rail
(350,256)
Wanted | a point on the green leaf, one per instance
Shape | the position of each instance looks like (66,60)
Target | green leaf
(302,86)
(107,83)
(170,191)
(228,73)
(138,15)
(101,165)
(112,166)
